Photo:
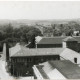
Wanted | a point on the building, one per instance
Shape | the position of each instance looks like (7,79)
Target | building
(59,42)
(22,59)
(70,43)
(63,69)
(50,42)
(76,33)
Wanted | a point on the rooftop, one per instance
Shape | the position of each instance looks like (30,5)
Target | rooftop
(69,39)
(37,52)
(42,72)
(67,68)
(58,40)
(69,54)
(64,68)
(51,40)
(21,51)
(48,71)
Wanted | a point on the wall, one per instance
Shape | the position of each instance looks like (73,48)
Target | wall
(49,45)
(72,45)
(64,44)
(21,65)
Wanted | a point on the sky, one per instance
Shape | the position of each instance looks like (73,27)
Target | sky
(39,10)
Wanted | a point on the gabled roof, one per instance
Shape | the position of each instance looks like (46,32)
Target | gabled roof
(47,69)
(77,38)
(64,69)
(38,52)
(58,40)
(21,51)
(51,40)
(67,68)
(69,39)
(42,72)
(69,54)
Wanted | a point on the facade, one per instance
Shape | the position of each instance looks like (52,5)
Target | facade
(22,66)
(70,43)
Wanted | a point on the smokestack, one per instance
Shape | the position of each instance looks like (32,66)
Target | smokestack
(5,52)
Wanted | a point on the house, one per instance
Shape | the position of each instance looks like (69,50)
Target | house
(60,69)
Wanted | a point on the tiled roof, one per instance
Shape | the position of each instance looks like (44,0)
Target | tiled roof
(38,52)
(56,40)
(67,68)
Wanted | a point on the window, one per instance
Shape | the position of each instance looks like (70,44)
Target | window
(75,60)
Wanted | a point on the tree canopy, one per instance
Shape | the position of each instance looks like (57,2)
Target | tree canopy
(13,35)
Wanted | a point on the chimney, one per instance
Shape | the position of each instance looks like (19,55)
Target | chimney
(5,52)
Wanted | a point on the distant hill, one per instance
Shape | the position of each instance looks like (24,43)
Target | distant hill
(18,22)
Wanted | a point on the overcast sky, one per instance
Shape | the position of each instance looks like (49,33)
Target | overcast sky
(39,10)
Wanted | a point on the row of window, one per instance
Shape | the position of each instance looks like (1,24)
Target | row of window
(22,60)
(36,59)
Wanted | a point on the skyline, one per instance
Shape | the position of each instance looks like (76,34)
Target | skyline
(39,10)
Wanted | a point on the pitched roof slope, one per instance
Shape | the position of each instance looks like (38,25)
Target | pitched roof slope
(51,71)
(51,40)
(38,52)
(58,40)
(67,68)
(69,39)
(77,38)
(47,67)
(42,72)
(69,54)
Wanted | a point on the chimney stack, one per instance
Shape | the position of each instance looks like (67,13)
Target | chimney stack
(5,52)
